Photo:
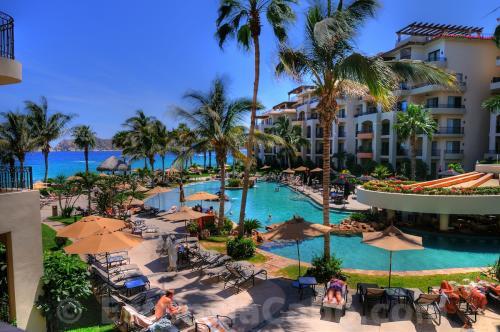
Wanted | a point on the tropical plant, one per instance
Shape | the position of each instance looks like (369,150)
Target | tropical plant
(17,137)
(492,104)
(338,71)
(416,120)
(65,281)
(45,127)
(84,139)
(4,286)
(234,183)
(457,167)
(87,182)
(141,139)
(496,35)
(217,120)
(162,140)
(243,19)
(324,268)
(381,172)
(292,136)
(240,247)
(67,191)
(251,225)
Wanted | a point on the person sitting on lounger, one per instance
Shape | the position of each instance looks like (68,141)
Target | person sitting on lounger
(474,297)
(495,289)
(165,305)
(334,292)
(453,301)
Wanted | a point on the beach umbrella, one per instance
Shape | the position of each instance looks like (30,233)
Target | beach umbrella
(288,171)
(392,239)
(366,178)
(301,169)
(186,213)
(141,188)
(265,167)
(74,178)
(132,201)
(316,170)
(158,190)
(296,229)
(109,164)
(90,225)
(202,196)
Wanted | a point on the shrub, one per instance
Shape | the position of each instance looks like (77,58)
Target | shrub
(233,183)
(457,167)
(65,279)
(240,248)
(251,225)
(323,269)
(381,172)
(358,216)
(227,227)
(192,228)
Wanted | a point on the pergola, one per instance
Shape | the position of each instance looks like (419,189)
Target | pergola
(431,30)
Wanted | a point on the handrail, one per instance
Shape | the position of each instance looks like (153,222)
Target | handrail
(13,179)
(6,36)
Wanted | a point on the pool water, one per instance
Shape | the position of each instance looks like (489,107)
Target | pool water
(441,251)
(264,203)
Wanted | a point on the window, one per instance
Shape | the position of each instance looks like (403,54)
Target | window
(460,77)
(340,147)
(385,148)
(453,123)
(455,101)
(386,128)
(405,53)
(342,113)
(319,132)
(432,102)
(308,131)
(453,146)
(433,56)
(341,131)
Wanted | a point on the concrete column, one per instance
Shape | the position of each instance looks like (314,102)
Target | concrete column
(391,215)
(444,221)
(376,142)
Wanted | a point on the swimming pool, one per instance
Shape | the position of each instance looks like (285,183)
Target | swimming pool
(441,250)
(264,203)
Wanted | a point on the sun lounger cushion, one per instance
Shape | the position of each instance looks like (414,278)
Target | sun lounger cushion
(214,323)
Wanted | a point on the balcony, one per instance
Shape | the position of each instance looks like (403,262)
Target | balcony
(13,179)
(364,152)
(370,110)
(400,152)
(313,116)
(439,61)
(453,154)
(10,69)
(341,134)
(495,84)
(453,131)
(436,153)
(424,88)
(365,133)
(446,109)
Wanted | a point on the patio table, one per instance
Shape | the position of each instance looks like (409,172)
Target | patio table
(303,283)
(398,294)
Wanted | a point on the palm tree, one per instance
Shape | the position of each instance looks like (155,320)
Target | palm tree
(88,181)
(329,59)
(292,136)
(141,137)
(45,127)
(243,19)
(416,120)
(492,104)
(217,119)
(17,136)
(162,138)
(84,139)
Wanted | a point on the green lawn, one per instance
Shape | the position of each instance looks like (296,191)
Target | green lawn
(91,319)
(421,282)
(48,238)
(65,220)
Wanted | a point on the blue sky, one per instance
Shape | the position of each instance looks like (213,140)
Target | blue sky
(102,60)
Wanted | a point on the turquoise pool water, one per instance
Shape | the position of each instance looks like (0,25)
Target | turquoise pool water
(264,203)
(441,251)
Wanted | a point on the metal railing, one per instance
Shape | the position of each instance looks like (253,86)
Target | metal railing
(436,59)
(495,80)
(454,151)
(6,36)
(368,111)
(365,131)
(13,179)
(444,106)
(450,130)
(367,149)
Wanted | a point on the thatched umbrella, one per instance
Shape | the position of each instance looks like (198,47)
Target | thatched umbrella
(296,229)
(90,225)
(113,164)
(288,171)
(265,167)
(141,188)
(158,190)
(316,170)
(392,239)
(186,213)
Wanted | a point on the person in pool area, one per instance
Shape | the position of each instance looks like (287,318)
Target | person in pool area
(270,218)
(334,292)
(166,305)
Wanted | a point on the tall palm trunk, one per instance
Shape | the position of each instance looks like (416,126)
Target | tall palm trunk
(209,158)
(249,161)
(145,163)
(413,157)
(163,168)
(222,162)
(46,160)
(21,170)
(327,127)
(86,157)
(152,162)
(204,159)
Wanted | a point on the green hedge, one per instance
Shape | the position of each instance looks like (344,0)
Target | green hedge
(240,248)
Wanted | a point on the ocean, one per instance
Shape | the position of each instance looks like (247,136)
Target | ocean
(69,162)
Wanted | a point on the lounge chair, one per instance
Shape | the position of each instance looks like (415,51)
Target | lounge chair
(214,263)
(238,275)
(213,323)
(372,296)
(133,320)
(427,305)
(335,306)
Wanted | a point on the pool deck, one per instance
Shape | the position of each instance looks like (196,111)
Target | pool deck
(352,204)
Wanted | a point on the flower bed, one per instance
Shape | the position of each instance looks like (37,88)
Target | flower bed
(404,188)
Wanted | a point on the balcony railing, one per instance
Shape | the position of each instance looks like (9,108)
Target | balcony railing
(6,36)
(450,130)
(371,110)
(495,80)
(494,151)
(365,131)
(341,134)
(13,179)
(436,59)
(454,151)
(313,116)
(444,106)
(435,153)
(386,132)
(367,149)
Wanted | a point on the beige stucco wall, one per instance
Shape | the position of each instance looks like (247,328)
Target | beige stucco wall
(488,168)
(20,217)
(10,71)
(439,204)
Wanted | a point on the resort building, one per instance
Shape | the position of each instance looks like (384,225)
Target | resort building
(20,234)
(366,131)
(494,137)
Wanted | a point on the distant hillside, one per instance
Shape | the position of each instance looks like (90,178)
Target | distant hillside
(69,145)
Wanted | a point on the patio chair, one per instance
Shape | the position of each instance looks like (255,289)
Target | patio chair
(372,296)
(239,275)
(213,323)
(335,306)
(214,263)
(427,305)
(132,320)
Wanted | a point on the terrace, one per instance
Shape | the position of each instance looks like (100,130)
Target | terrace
(10,69)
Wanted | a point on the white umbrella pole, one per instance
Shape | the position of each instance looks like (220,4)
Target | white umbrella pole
(390,267)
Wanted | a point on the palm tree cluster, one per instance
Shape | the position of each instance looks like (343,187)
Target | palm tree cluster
(36,128)
(292,138)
